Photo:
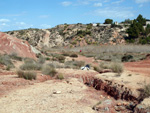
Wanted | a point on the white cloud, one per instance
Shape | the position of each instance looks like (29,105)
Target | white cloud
(98,4)
(23,25)
(4,20)
(118,2)
(83,2)
(122,13)
(66,3)
(3,24)
(106,0)
(45,26)
(141,1)
(44,16)
(141,5)
(14,15)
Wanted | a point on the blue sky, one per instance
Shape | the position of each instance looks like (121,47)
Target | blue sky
(23,14)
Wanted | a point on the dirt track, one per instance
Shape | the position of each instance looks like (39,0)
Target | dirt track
(39,98)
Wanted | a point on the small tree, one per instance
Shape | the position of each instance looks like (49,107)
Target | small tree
(136,29)
(108,21)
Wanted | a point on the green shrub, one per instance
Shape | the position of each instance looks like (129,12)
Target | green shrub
(38,55)
(47,58)
(74,64)
(16,57)
(56,65)
(58,57)
(116,67)
(126,58)
(89,26)
(74,55)
(41,60)
(60,76)
(48,70)
(29,75)
(8,67)
(98,69)
(31,66)
(104,65)
(29,60)
(74,42)
(6,60)
(145,93)
(66,54)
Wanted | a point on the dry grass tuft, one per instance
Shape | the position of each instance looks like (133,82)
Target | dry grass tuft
(49,70)
(29,75)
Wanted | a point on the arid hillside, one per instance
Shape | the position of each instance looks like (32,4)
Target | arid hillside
(72,35)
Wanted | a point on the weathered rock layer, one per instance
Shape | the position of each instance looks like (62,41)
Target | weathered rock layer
(72,35)
(10,45)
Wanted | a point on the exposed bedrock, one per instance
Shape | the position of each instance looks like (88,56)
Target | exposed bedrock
(116,90)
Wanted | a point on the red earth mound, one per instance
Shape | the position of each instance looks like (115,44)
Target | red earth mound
(9,45)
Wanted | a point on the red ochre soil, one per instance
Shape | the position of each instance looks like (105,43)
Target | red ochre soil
(140,67)
(9,45)
(9,81)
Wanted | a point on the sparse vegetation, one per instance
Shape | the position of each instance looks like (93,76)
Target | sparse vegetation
(6,60)
(145,92)
(60,76)
(49,70)
(30,64)
(98,69)
(56,64)
(74,55)
(58,57)
(126,58)
(74,64)
(16,57)
(116,67)
(83,33)
(8,68)
(41,60)
(29,75)
(114,53)
(66,54)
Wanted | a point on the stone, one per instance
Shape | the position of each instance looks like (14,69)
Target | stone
(119,104)
(56,92)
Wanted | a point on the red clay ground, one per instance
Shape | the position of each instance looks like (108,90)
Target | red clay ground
(140,67)
(9,81)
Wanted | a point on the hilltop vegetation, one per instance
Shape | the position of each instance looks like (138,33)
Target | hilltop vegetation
(137,32)
(73,35)
(76,35)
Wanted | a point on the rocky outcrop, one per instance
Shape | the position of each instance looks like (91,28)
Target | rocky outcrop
(72,35)
(119,92)
(10,45)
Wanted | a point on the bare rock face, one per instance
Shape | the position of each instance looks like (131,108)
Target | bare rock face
(9,45)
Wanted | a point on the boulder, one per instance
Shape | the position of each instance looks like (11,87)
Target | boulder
(10,45)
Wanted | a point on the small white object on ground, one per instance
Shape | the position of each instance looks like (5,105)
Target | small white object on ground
(56,92)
